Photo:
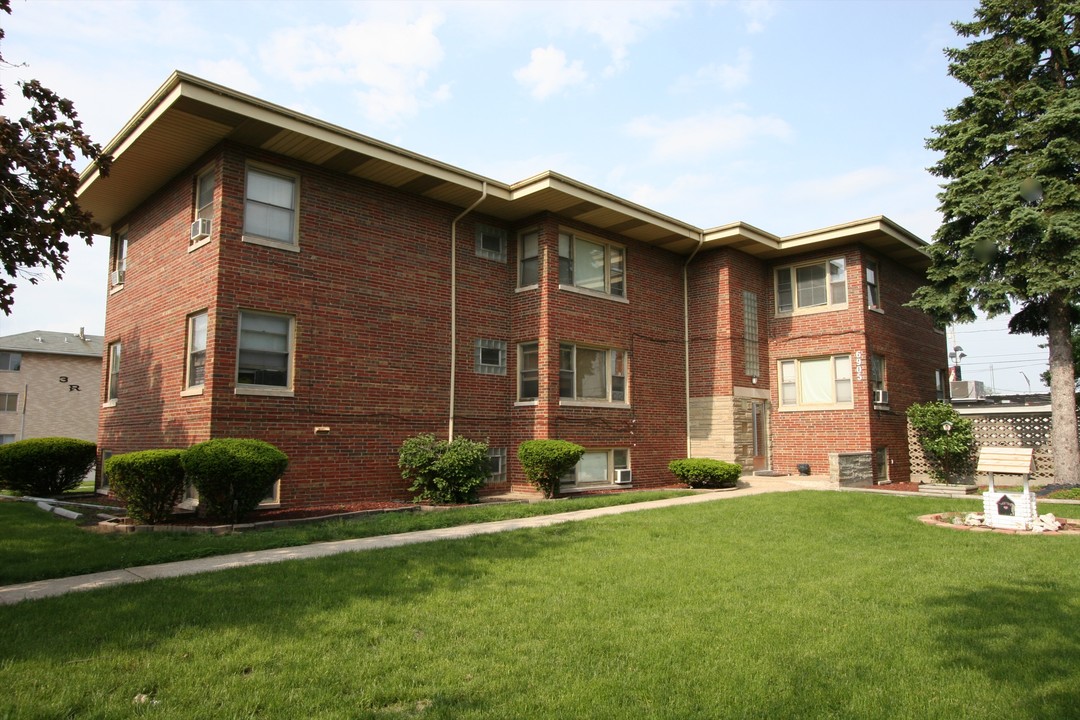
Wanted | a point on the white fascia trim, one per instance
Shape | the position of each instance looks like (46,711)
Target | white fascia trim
(549,180)
(879,224)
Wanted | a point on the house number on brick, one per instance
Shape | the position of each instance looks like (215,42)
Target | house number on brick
(858,365)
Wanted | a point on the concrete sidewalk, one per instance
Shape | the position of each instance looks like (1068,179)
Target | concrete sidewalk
(12,594)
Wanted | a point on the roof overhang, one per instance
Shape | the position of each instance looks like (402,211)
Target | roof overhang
(188,116)
(880,234)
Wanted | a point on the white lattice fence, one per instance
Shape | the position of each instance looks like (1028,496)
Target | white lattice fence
(999,430)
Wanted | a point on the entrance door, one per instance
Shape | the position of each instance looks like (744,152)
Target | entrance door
(761,434)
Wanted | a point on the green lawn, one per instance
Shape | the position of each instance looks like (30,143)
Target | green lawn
(793,605)
(35,545)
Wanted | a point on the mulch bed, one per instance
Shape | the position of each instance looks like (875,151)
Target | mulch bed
(293,513)
(899,487)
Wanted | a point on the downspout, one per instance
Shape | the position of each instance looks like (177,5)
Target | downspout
(453,306)
(22,425)
(686,331)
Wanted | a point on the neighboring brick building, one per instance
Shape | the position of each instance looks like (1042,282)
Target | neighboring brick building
(50,385)
(277,277)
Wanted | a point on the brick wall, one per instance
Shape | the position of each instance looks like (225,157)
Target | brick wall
(163,284)
(913,351)
(905,337)
(369,297)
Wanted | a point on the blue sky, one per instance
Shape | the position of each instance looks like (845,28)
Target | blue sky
(790,115)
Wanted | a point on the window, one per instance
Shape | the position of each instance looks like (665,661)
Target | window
(119,258)
(815,382)
(873,292)
(591,265)
(10,361)
(270,207)
(818,285)
(592,374)
(497,461)
(877,372)
(596,468)
(196,350)
(940,385)
(490,357)
(265,350)
(6,439)
(273,495)
(113,385)
(751,340)
(491,243)
(204,196)
(9,402)
(528,371)
(528,259)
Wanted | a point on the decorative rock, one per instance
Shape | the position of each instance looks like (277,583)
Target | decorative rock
(1046,523)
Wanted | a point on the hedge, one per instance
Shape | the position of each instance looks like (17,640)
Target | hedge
(706,472)
(233,475)
(45,466)
(441,471)
(150,482)
(546,461)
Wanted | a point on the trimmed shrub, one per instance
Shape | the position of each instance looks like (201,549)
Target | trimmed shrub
(232,475)
(706,472)
(441,471)
(45,466)
(950,453)
(150,482)
(546,461)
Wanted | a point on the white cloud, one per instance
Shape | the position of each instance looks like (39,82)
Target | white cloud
(757,13)
(706,134)
(548,73)
(618,25)
(726,76)
(390,58)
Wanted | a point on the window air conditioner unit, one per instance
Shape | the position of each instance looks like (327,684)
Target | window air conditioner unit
(623,477)
(200,229)
(116,277)
(881,397)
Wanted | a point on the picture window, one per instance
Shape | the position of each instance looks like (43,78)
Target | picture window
(811,286)
(592,265)
(816,383)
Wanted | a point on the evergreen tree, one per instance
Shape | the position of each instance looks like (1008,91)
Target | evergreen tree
(38,184)
(1011,196)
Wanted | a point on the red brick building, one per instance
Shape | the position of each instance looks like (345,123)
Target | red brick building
(274,276)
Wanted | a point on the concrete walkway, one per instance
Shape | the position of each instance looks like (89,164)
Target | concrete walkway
(12,594)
